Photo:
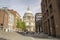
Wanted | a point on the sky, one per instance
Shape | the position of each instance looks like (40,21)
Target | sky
(21,5)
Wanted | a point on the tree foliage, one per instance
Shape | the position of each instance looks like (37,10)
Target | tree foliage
(21,25)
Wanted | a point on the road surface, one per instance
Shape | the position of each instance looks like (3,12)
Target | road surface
(16,36)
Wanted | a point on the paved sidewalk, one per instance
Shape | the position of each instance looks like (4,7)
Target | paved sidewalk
(35,35)
(17,36)
(41,35)
(12,36)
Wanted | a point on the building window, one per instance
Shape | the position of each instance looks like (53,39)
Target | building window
(59,1)
(53,26)
(1,24)
(46,2)
(43,7)
(42,10)
(51,9)
(47,13)
(59,4)
(46,31)
(52,21)
(49,28)
(43,18)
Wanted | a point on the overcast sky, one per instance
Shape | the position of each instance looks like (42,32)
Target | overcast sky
(21,5)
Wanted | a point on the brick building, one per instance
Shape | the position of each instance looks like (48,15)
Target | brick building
(8,19)
(3,18)
(51,17)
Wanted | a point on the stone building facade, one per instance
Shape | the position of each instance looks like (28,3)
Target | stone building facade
(16,17)
(51,17)
(29,20)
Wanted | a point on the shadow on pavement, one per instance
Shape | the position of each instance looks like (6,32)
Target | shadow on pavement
(34,35)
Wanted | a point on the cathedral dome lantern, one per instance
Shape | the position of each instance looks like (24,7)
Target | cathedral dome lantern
(28,10)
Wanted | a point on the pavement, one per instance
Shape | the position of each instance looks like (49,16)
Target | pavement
(17,36)
(40,35)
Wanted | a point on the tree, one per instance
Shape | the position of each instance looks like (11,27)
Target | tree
(21,25)
(18,23)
